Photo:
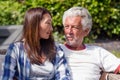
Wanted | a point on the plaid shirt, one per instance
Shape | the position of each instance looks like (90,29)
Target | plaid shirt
(17,64)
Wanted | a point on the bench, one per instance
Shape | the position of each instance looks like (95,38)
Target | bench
(13,33)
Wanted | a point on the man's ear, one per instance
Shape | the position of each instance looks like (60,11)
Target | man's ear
(86,31)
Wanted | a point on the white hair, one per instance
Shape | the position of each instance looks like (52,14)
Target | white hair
(86,21)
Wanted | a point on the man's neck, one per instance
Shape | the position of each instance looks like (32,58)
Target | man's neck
(81,47)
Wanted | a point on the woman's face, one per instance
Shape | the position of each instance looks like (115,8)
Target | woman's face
(45,27)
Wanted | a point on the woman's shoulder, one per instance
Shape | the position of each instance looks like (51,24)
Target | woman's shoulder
(59,50)
(15,44)
(15,47)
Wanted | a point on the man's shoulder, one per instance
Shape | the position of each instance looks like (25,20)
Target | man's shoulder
(89,46)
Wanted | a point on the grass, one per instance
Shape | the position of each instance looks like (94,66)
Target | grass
(116,53)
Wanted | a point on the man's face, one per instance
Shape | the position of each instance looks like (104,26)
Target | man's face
(73,31)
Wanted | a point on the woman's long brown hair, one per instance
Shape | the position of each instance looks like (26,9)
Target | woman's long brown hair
(34,46)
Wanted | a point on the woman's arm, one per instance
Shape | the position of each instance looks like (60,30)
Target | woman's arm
(9,64)
(62,71)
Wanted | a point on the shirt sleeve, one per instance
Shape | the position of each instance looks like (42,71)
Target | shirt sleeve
(109,61)
(9,64)
(62,71)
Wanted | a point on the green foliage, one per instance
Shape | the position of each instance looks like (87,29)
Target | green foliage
(116,53)
(10,13)
(105,14)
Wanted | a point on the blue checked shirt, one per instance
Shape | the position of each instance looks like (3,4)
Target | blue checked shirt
(17,64)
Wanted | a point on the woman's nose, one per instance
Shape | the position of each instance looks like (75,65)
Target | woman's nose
(51,28)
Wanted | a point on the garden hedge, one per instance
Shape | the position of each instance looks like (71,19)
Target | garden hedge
(105,14)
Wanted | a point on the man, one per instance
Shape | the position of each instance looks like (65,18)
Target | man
(86,62)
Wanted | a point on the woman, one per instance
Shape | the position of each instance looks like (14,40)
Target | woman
(34,56)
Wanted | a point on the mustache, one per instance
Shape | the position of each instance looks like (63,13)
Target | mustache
(69,36)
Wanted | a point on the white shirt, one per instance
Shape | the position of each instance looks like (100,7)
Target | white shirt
(42,72)
(88,63)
